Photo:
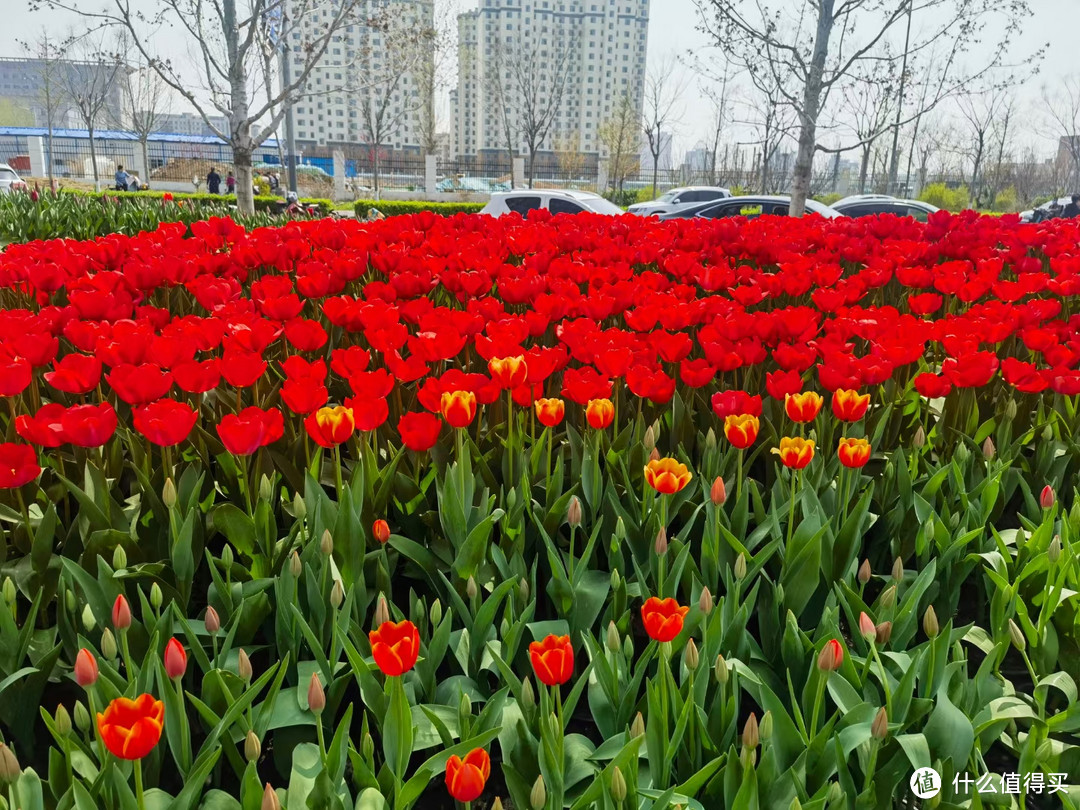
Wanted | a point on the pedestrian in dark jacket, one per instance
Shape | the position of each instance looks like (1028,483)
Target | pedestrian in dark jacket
(1072,210)
(213,182)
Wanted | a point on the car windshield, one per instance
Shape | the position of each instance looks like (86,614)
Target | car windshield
(600,205)
(8,174)
(670,196)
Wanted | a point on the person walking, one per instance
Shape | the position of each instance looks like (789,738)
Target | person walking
(213,182)
(230,183)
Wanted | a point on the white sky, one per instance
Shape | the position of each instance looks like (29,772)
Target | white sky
(673,31)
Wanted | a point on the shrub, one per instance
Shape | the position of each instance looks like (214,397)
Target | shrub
(949,199)
(396,207)
(263,202)
(1006,201)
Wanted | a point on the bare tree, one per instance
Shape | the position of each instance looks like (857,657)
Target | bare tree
(1063,115)
(434,75)
(226,37)
(979,112)
(818,43)
(621,138)
(146,102)
(89,78)
(770,118)
(387,99)
(47,53)
(663,91)
(867,110)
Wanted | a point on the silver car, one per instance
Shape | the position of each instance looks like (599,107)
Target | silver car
(750,207)
(557,201)
(865,205)
(679,199)
(9,179)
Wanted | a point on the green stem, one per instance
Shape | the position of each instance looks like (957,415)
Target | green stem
(93,723)
(322,739)
(738,480)
(872,764)
(661,558)
(930,671)
(819,698)
(337,470)
(127,655)
(573,531)
(791,511)
(138,785)
(547,477)
(510,435)
(884,678)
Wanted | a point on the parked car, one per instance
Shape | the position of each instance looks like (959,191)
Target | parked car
(864,205)
(749,207)
(557,201)
(679,198)
(1050,209)
(9,179)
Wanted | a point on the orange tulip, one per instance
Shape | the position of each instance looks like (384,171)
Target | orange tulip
(552,659)
(508,372)
(853,452)
(803,407)
(395,647)
(599,413)
(131,728)
(667,476)
(458,408)
(663,618)
(741,429)
(329,427)
(795,453)
(849,406)
(466,778)
(381,530)
(550,412)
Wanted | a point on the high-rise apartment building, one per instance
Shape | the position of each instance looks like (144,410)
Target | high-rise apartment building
(604,40)
(374,81)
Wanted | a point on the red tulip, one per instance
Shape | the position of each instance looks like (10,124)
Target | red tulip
(131,728)
(15,374)
(599,413)
(549,412)
(466,778)
(663,618)
(552,659)
(381,530)
(370,413)
(165,422)
(75,374)
(121,613)
(86,668)
(18,465)
(458,408)
(1047,497)
(139,384)
(395,647)
(175,659)
(89,425)
(849,406)
(329,427)
(43,428)
(419,431)
(244,433)
(831,656)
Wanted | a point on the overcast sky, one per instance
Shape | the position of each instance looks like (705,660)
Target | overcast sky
(673,30)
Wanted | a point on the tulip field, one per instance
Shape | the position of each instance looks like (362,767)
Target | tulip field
(566,512)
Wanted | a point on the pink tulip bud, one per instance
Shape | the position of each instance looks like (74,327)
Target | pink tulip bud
(1047,497)
(316,697)
(121,613)
(86,668)
(717,492)
(867,628)
(212,620)
(175,659)
(831,656)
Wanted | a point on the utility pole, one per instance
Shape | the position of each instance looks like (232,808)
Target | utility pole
(894,161)
(290,132)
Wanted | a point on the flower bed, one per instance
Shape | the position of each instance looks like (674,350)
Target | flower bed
(567,512)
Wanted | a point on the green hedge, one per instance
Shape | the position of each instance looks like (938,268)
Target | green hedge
(395,207)
(262,203)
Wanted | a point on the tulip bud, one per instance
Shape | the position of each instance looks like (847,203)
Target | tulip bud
(252,747)
(63,721)
(367,747)
(649,442)
(121,613)
(227,558)
(930,623)
(616,579)
(750,734)
(538,794)
(86,668)
(380,530)
(212,620)
(266,489)
(962,454)
(1010,409)
(299,507)
(1047,497)
(337,594)
(1016,635)
(435,614)
(740,566)
(618,785)
(316,697)
(765,728)
(637,728)
(720,670)
(497,804)
(710,439)
(382,611)
(88,620)
(628,648)
(888,597)
(243,666)
(654,455)
(108,644)
(882,633)
(661,544)
(613,640)
(295,565)
(864,572)
(119,558)
(156,597)
(919,439)
(326,543)
(69,599)
(523,591)
(867,629)
(831,656)
(620,529)
(1048,433)
(470,588)
(573,512)
(1053,552)
(988,449)
(168,493)
(795,804)
(836,793)
(929,528)
(270,800)
(705,602)
(82,716)
(9,765)
(717,492)
(690,655)
(898,570)
(9,591)
(528,697)
(465,706)
(879,729)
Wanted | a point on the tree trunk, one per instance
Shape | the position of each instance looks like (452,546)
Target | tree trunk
(863,168)
(145,159)
(532,164)
(804,163)
(375,170)
(655,171)
(93,155)
(245,196)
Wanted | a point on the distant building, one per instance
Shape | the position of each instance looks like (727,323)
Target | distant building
(607,41)
(698,159)
(23,85)
(359,66)
(664,162)
(188,123)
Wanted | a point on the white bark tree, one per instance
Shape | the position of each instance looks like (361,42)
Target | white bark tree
(226,38)
(660,109)
(816,44)
(47,51)
(621,137)
(146,102)
(89,77)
